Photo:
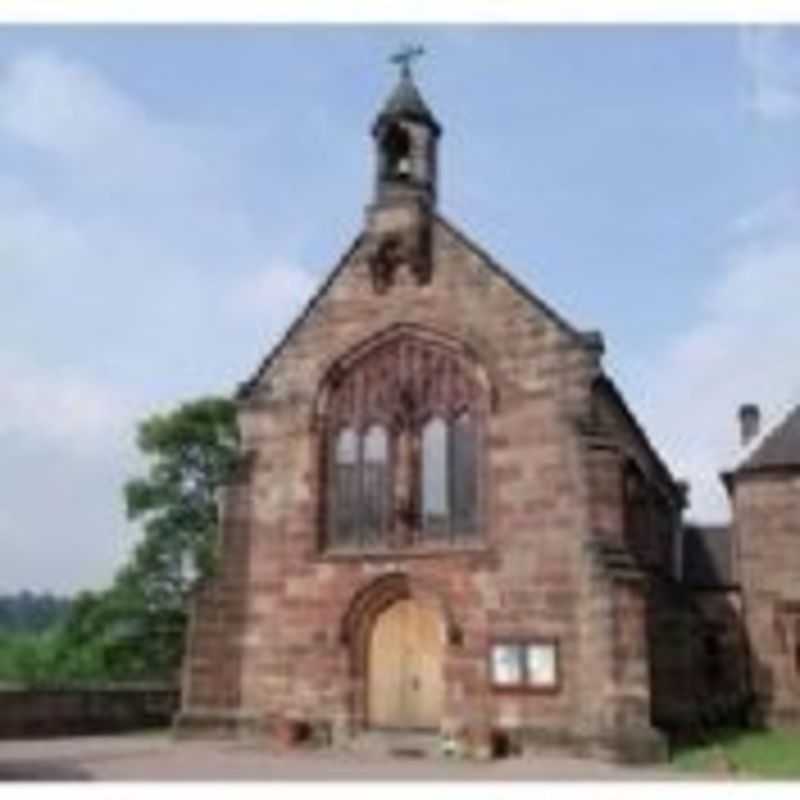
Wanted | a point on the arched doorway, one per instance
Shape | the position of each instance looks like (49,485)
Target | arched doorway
(405,685)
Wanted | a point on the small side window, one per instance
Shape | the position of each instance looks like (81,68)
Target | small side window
(507,664)
(541,665)
(525,665)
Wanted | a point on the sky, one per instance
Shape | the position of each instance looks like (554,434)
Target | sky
(170,197)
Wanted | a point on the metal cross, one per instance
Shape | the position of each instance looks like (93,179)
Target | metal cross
(405,56)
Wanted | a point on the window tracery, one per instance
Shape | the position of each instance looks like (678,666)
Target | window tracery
(402,426)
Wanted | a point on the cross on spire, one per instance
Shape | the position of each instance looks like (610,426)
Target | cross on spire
(404,56)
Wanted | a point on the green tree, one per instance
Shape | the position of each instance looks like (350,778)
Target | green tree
(192,452)
(136,627)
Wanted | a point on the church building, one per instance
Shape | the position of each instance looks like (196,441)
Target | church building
(445,516)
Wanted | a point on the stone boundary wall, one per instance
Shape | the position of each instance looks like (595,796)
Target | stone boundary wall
(33,712)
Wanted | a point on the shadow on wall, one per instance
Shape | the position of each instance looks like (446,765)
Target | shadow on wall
(701,655)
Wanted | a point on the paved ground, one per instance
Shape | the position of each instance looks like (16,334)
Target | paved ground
(158,757)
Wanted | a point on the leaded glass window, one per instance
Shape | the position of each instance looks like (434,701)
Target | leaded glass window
(345,505)
(435,478)
(449,477)
(463,482)
(402,426)
(374,483)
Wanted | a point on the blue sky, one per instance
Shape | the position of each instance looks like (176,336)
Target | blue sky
(169,197)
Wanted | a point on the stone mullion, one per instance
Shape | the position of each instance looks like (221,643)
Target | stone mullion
(404,487)
(415,483)
(358,505)
(450,468)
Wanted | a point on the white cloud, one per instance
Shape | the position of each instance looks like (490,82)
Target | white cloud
(70,112)
(133,278)
(35,242)
(744,348)
(62,106)
(58,406)
(120,234)
(278,291)
(771,57)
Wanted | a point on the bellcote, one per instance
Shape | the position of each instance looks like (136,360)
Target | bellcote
(405,135)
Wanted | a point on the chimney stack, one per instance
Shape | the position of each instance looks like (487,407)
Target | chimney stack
(749,422)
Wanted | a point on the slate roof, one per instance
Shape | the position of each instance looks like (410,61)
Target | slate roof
(406,101)
(707,556)
(778,448)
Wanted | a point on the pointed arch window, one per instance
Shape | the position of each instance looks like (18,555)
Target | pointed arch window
(449,491)
(375,483)
(404,438)
(435,477)
(345,486)
(463,469)
(360,486)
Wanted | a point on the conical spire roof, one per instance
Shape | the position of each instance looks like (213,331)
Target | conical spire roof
(406,101)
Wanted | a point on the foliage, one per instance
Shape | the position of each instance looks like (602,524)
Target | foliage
(135,628)
(26,612)
(760,754)
(193,451)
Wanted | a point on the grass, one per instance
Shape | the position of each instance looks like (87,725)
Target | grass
(755,754)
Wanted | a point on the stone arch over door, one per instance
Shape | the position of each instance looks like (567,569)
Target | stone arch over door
(374,610)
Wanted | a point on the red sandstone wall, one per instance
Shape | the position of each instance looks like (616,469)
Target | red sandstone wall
(274,617)
(524,577)
(767,515)
(524,581)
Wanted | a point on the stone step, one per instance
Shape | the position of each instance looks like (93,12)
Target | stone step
(399,744)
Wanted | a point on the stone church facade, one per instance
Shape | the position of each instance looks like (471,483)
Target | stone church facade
(446,517)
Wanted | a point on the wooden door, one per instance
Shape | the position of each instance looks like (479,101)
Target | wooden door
(405,683)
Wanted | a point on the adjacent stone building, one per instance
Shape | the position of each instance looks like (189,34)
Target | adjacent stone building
(765,495)
(446,517)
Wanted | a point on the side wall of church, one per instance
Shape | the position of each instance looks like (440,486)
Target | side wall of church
(633,536)
(696,644)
